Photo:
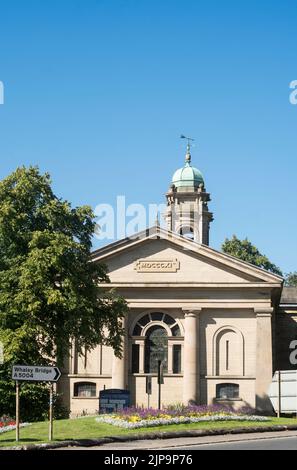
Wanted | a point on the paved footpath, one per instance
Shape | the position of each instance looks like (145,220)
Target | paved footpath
(280,443)
(270,440)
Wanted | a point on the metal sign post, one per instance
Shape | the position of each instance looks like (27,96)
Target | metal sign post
(160,382)
(50,436)
(17,411)
(279,408)
(148,388)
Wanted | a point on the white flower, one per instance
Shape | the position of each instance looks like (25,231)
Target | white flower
(12,427)
(121,423)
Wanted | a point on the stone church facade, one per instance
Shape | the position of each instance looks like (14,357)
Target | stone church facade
(212,319)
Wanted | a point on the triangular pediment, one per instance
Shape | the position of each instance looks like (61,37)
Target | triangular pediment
(157,256)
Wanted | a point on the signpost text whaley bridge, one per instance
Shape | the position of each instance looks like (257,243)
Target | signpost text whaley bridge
(35,373)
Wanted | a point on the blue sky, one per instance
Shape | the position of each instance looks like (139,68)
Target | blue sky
(97,92)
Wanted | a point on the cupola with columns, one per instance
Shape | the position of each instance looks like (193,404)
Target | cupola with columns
(187,202)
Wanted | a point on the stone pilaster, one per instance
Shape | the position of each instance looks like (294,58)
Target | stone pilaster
(119,365)
(191,357)
(264,370)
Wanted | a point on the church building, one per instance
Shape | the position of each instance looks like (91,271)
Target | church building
(211,318)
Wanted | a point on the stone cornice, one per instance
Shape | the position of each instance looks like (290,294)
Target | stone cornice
(264,312)
(190,285)
(86,376)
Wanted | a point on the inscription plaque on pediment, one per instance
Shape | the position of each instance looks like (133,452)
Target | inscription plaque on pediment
(157,265)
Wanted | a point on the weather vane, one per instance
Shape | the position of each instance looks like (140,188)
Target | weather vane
(189,144)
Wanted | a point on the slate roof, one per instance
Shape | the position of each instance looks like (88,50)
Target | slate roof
(289,296)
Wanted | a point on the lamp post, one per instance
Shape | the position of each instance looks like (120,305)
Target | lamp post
(160,382)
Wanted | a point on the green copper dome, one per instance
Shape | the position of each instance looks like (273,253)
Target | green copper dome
(188,176)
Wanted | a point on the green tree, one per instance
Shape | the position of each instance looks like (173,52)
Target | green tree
(291,279)
(49,290)
(244,250)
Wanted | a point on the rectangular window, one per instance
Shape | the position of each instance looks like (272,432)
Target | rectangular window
(85,390)
(135,358)
(227,391)
(176,358)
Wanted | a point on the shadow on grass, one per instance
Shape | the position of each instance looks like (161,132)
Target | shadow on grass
(20,441)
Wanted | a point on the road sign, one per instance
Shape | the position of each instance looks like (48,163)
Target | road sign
(283,391)
(36,373)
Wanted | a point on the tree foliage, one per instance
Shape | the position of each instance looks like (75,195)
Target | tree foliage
(49,290)
(245,251)
(291,279)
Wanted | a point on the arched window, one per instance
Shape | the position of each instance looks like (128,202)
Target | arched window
(187,232)
(156,349)
(150,344)
(85,389)
(156,317)
(227,391)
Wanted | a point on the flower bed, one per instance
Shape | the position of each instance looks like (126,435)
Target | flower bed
(9,424)
(135,418)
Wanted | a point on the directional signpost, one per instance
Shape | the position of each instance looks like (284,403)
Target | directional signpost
(35,374)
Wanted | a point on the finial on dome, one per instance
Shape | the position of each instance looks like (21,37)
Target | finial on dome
(188,154)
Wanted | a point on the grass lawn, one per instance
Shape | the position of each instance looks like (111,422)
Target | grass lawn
(88,428)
